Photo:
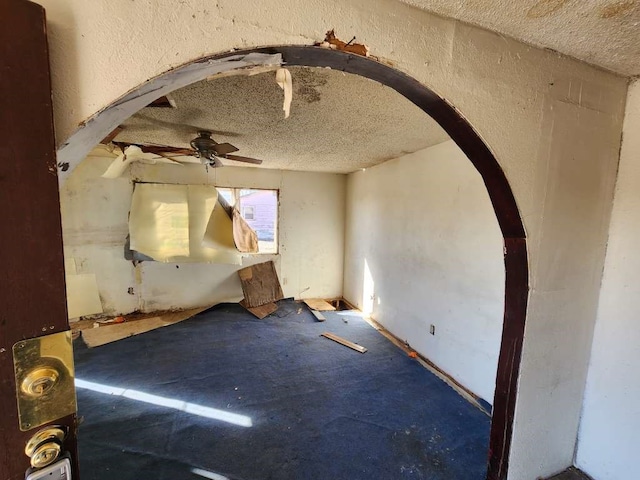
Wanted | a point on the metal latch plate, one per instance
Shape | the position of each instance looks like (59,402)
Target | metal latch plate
(44,379)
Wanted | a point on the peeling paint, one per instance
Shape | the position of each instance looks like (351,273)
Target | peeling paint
(331,41)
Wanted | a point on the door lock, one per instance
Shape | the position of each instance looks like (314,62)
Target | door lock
(44,379)
(44,447)
(48,461)
(39,381)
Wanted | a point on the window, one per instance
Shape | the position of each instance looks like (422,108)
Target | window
(260,210)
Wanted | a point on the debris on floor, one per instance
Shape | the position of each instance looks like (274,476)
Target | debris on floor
(261,288)
(344,342)
(261,311)
(119,319)
(292,382)
(319,304)
(318,315)
(95,337)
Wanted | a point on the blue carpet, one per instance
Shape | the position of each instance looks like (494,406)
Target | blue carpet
(317,409)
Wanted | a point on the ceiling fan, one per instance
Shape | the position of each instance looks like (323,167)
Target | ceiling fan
(203,147)
(209,151)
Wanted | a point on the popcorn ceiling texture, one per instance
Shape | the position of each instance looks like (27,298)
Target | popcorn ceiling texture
(605,33)
(339,122)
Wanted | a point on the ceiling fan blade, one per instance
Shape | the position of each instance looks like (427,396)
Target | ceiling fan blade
(183,127)
(239,158)
(162,158)
(181,159)
(224,148)
(157,149)
(160,149)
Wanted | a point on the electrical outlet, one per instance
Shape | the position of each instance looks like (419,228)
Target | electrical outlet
(432,329)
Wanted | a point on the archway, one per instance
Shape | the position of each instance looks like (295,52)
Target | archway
(463,134)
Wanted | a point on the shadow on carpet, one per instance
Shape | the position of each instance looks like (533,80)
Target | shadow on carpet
(226,396)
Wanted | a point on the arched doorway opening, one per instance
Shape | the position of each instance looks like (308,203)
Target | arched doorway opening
(463,134)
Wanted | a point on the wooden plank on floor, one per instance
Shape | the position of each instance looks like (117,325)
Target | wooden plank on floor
(344,342)
(260,284)
(445,377)
(319,304)
(95,337)
(262,311)
(318,315)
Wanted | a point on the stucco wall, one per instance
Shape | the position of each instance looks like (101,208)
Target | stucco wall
(553,123)
(610,426)
(423,240)
(95,215)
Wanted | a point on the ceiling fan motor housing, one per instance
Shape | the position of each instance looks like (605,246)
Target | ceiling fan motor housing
(204,145)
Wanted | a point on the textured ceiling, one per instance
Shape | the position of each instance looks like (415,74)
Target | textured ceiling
(605,33)
(339,122)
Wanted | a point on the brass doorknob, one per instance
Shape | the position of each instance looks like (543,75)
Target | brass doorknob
(44,447)
(45,454)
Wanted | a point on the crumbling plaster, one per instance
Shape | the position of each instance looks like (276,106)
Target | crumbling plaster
(553,124)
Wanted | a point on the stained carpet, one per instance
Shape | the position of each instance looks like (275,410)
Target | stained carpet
(227,396)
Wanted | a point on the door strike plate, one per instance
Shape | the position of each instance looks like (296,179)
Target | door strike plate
(44,379)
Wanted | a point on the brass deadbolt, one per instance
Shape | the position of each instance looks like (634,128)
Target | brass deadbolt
(40,381)
(43,368)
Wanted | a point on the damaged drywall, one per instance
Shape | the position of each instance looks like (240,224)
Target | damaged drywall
(95,215)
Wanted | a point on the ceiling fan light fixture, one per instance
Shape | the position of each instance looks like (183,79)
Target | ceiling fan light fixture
(205,148)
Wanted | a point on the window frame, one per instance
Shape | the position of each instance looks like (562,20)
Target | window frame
(236,202)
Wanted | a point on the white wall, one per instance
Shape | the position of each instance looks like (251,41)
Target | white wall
(311,236)
(552,122)
(610,428)
(422,229)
